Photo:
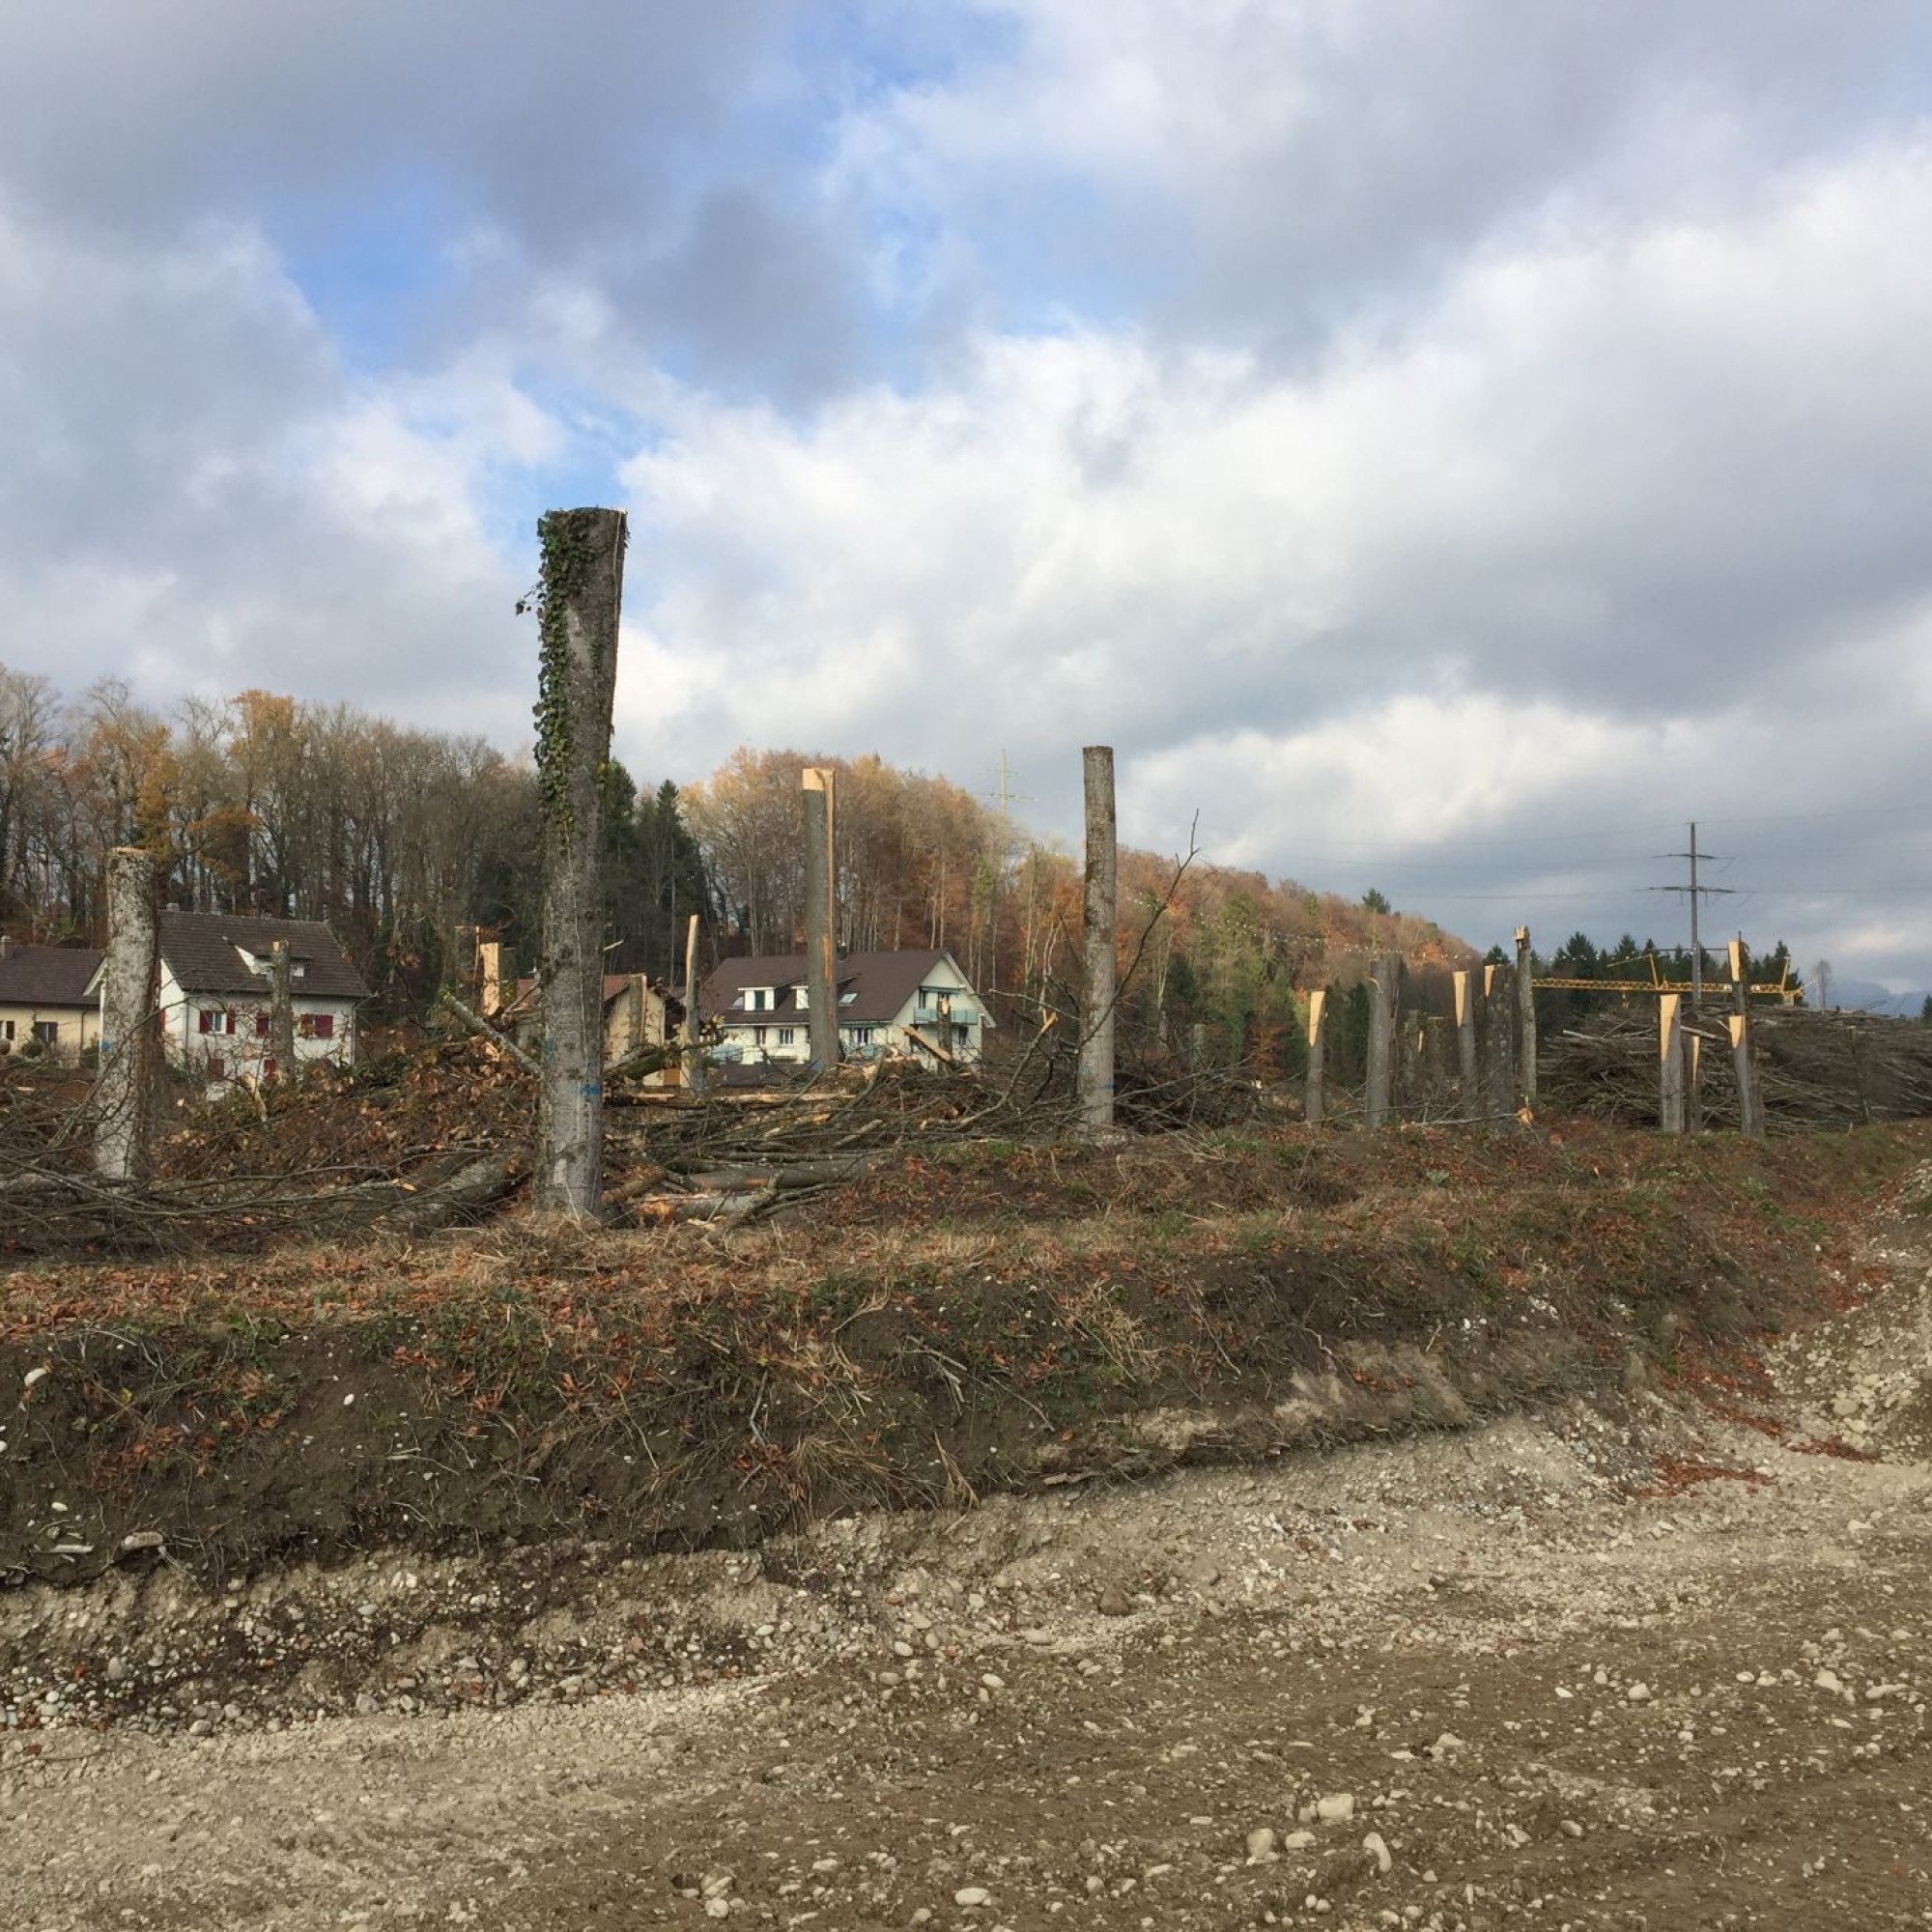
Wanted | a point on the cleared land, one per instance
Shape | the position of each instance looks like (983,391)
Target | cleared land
(1560,1500)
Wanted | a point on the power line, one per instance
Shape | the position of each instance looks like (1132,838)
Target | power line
(1695,892)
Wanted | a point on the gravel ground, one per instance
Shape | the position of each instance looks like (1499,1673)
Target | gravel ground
(1652,1669)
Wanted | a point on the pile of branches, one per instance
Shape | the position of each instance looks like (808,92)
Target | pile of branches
(411,1143)
(1814,1070)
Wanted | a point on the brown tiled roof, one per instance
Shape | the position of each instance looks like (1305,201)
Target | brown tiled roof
(48,976)
(880,983)
(199,949)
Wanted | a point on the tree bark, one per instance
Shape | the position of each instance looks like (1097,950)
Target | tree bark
(1099,944)
(1670,1063)
(820,979)
(578,611)
(130,984)
(1385,992)
(1525,1008)
(281,1010)
(1315,1108)
(1466,1069)
(1498,1012)
(693,1060)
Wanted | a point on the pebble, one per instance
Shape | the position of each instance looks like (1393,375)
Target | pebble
(1262,1845)
(1829,1680)
(992,1680)
(972,1895)
(1638,1693)
(1337,1809)
(1378,1847)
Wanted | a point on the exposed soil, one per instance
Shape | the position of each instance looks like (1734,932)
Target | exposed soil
(1648,1652)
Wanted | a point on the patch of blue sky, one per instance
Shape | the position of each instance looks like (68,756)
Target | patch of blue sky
(881,47)
(372,270)
(597,442)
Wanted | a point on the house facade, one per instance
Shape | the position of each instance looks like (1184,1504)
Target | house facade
(215,994)
(889,1004)
(46,1005)
(638,1014)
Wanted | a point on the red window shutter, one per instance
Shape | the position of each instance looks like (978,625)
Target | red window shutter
(260,1026)
(206,1020)
(325,1025)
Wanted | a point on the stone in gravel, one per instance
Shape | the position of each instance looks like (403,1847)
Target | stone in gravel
(1376,1846)
(1829,1680)
(1571,1828)
(992,1680)
(1114,1602)
(1262,1845)
(365,1705)
(1297,1841)
(972,1895)
(1638,1693)
(1337,1809)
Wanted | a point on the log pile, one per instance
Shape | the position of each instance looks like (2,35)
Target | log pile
(1816,1069)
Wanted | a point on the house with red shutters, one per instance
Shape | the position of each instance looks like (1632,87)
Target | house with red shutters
(214,993)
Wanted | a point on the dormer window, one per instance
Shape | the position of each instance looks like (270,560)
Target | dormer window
(759,999)
(798,996)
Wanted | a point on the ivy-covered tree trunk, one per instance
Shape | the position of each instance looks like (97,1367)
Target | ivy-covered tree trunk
(578,612)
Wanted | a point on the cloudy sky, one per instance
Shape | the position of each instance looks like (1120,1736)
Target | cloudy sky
(1449,444)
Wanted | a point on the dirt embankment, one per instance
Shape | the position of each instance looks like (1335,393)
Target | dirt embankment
(1006,1319)
(1643,1661)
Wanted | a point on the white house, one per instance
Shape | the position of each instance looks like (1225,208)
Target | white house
(889,1003)
(46,1002)
(214,993)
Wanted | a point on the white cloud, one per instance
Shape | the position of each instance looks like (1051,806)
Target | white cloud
(1566,548)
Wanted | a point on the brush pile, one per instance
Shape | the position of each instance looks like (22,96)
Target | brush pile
(1815,1069)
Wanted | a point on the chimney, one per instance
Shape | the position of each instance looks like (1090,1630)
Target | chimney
(6,946)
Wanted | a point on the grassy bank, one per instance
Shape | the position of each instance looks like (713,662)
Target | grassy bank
(1003,1317)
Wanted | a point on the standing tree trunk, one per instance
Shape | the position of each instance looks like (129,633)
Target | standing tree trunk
(1466,1072)
(1096,998)
(1670,1063)
(1315,1108)
(821,981)
(281,1010)
(1526,1007)
(1498,1013)
(578,612)
(1750,1108)
(693,1060)
(1384,990)
(130,978)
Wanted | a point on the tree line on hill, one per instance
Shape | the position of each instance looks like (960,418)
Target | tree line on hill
(398,837)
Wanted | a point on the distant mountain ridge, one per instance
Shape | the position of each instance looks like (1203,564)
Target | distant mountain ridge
(1869,997)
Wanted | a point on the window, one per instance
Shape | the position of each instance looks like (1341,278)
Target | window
(846,999)
(325,1025)
(800,996)
(47,1032)
(786,1036)
(6,1029)
(757,998)
(260,1026)
(859,1036)
(216,1019)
